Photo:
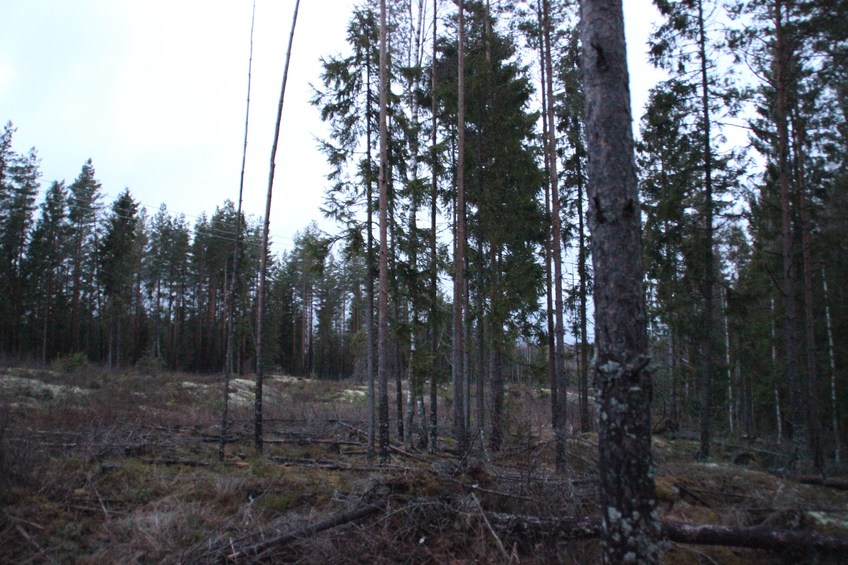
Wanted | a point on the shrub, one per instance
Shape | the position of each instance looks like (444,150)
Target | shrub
(71,362)
(150,364)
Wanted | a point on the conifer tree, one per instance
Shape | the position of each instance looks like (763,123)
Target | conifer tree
(630,525)
(83,209)
(116,261)
(16,220)
(45,273)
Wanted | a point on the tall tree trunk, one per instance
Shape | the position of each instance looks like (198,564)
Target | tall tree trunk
(556,250)
(369,278)
(263,252)
(727,362)
(383,302)
(630,524)
(777,415)
(583,275)
(458,353)
(782,61)
(706,369)
(480,352)
(409,414)
(549,315)
(231,329)
(813,415)
(495,329)
(434,260)
(837,447)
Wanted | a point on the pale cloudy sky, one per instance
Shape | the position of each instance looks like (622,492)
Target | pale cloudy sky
(153,91)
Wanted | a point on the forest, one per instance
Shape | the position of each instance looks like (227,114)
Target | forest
(462,267)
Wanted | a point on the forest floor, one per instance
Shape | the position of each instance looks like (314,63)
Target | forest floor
(102,467)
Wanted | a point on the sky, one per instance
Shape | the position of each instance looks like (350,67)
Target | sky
(154,92)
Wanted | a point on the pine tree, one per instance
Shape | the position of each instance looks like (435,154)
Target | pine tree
(383,262)
(630,525)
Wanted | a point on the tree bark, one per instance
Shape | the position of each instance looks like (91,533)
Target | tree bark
(630,524)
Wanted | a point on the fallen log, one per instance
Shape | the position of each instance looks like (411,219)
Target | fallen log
(756,537)
(838,484)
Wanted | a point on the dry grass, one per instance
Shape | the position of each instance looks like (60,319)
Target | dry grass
(99,467)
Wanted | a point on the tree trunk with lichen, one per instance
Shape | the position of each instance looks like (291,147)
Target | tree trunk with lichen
(630,526)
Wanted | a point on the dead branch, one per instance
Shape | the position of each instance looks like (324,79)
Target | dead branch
(334,521)
(182,462)
(400,451)
(839,484)
(41,552)
(310,441)
(492,530)
(332,465)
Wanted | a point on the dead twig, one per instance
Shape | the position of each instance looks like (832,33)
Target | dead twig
(181,462)
(506,555)
(407,454)
(32,542)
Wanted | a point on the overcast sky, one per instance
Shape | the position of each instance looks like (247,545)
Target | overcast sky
(153,91)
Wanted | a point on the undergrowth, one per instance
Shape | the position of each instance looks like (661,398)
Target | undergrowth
(123,468)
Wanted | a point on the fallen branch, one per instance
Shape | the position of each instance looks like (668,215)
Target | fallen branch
(839,484)
(506,555)
(400,451)
(182,462)
(41,552)
(330,465)
(332,522)
(310,441)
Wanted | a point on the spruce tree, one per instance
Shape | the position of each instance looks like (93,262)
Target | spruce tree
(117,262)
